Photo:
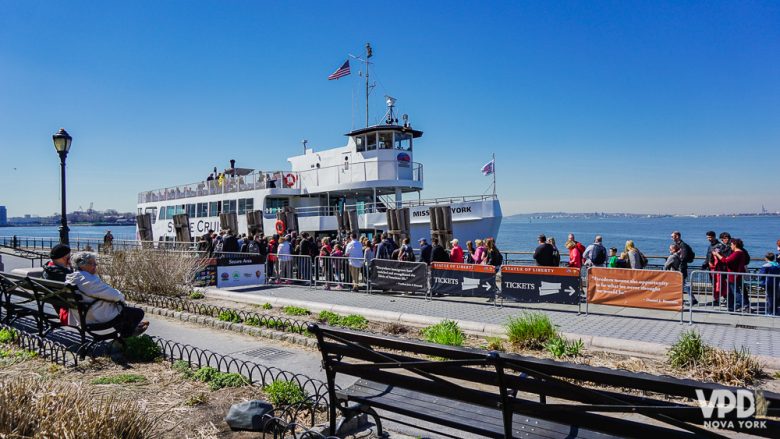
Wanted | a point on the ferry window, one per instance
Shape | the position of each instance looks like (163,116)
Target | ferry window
(191,210)
(170,212)
(385,140)
(152,211)
(245,205)
(202,210)
(179,209)
(273,205)
(214,208)
(229,206)
(403,141)
(360,143)
(371,142)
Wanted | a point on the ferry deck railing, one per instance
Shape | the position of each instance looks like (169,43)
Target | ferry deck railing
(336,174)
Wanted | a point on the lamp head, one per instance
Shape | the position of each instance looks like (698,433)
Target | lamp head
(62,141)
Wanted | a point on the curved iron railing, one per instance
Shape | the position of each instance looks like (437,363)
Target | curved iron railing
(52,350)
(256,319)
(282,421)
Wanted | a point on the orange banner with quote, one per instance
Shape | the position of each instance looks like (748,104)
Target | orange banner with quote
(651,289)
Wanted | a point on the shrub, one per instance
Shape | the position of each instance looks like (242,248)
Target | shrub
(735,367)
(38,408)
(142,348)
(277,324)
(253,321)
(183,367)
(688,351)
(218,380)
(205,374)
(222,380)
(354,321)
(120,379)
(195,295)
(494,344)
(560,347)
(169,273)
(446,332)
(282,393)
(329,317)
(531,330)
(7,335)
(295,311)
(267,306)
(229,316)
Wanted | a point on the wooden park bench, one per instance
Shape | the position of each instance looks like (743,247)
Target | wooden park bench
(41,299)
(502,395)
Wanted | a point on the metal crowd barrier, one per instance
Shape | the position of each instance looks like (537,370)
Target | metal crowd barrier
(744,294)
(336,271)
(297,269)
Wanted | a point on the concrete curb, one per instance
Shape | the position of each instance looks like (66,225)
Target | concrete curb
(618,345)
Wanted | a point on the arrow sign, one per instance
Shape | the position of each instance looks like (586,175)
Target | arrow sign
(571,291)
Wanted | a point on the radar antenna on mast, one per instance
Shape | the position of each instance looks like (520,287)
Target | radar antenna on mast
(390,115)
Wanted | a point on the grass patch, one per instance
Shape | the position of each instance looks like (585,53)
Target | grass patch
(282,393)
(329,317)
(46,408)
(142,349)
(267,306)
(494,344)
(195,295)
(198,399)
(218,380)
(688,351)
(229,316)
(295,311)
(183,367)
(354,321)
(446,332)
(7,335)
(531,330)
(125,378)
(559,347)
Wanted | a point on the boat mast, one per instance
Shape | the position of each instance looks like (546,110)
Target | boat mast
(368,55)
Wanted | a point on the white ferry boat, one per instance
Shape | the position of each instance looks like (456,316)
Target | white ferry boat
(372,173)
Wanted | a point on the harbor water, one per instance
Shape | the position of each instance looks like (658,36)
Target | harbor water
(651,235)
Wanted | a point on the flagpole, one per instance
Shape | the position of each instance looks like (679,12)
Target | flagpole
(494,174)
(368,55)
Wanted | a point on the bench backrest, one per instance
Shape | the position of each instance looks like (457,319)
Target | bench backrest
(355,353)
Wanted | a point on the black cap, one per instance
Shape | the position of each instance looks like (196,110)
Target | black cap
(59,251)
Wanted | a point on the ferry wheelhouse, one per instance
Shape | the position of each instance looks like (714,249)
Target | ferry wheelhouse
(373,172)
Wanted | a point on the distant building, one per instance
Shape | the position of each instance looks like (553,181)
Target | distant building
(3,216)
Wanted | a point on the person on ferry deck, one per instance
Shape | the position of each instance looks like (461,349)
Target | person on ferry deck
(456,254)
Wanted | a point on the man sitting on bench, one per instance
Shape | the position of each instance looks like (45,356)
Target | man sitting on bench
(59,266)
(110,308)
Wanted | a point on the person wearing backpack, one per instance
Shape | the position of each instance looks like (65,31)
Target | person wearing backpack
(407,253)
(596,254)
(636,259)
(686,253)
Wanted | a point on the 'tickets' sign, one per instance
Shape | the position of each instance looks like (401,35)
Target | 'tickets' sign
(541,284)
(463,279)
(636,288)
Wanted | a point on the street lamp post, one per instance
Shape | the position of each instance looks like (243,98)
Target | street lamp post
(62,144)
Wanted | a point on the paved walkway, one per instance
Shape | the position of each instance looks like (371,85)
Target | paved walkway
(606,327)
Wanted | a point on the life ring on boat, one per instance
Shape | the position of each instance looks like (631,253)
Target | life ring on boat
(279,226)
(290,179)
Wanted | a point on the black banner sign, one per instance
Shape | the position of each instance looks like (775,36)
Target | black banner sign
(387,274)
(541,284)
(463,279)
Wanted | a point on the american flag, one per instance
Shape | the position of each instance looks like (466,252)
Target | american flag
(488,168)
(342,71)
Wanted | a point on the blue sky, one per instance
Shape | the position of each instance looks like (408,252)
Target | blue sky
(589,106)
